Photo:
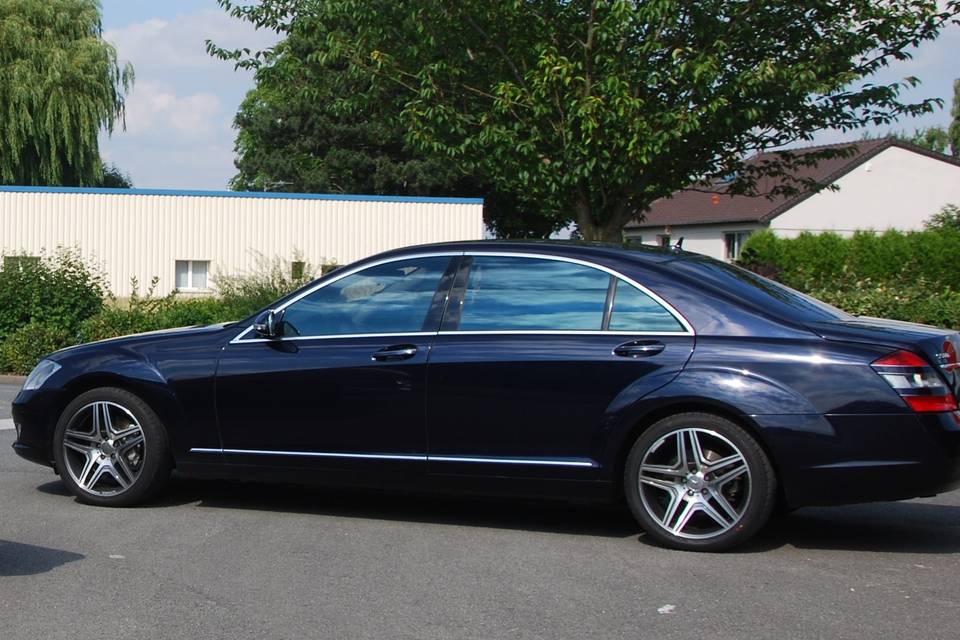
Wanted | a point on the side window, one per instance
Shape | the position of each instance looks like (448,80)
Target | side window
(387,298)
(633,310)
(530,294)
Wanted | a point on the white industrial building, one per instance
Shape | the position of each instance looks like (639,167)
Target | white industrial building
(185,238)
(886,184)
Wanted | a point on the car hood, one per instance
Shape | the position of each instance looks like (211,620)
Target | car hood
(146,336)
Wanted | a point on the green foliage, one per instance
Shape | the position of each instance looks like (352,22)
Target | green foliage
(271,279)
(27,345)
(594,109)
(294,136)
(115,178)
(932,138)
(60,290)
(147,312)
(953,132)
(60,83)
(903,276)
(947,219)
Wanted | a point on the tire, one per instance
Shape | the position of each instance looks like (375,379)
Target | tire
(712,494)
(111,449)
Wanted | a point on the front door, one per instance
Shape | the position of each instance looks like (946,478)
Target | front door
(344,388)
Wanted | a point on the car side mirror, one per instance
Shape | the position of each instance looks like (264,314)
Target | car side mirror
(269,324)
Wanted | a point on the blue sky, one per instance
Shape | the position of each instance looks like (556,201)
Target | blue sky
(179,131)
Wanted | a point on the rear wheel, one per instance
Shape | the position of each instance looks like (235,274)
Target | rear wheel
(697,481)
(111,448)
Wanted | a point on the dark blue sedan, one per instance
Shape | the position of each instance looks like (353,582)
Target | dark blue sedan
(702,394)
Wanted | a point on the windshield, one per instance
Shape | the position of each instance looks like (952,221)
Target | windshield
(759,291)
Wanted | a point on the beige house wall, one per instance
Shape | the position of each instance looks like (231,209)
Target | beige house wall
(143,233)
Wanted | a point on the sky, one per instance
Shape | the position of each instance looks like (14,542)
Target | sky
(179,123)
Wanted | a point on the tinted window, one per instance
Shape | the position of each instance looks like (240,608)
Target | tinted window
(387,298)
(759,291)
(505,294)
(633,310)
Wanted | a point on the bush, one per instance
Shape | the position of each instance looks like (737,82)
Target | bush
(902,276)
(148,313)
(58,291)
(247,293)
(23,348)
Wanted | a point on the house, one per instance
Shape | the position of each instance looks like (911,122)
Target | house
(886,184)
(186,238)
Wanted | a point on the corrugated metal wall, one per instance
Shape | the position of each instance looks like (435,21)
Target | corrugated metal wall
(144,235)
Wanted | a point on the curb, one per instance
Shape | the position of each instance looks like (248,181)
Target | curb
(5,379)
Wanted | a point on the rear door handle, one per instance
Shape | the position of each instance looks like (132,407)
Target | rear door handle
(395,352)
(639,349)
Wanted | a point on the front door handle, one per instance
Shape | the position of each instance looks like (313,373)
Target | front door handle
(639,349)
(395,352)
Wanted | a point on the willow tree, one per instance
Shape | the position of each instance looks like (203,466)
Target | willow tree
(60,85)
(596,108)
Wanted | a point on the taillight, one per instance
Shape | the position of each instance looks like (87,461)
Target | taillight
(918,383)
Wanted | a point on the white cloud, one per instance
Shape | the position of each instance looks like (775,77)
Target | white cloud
(179,113)
(154,108)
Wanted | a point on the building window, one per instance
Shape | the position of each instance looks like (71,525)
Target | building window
(632,237)
(192,274)
(20,262)
(297,268)
(663,239)
(733,242)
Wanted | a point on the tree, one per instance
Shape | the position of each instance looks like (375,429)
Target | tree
(60,84)
(597,109)
(954,131)
(940,139)
(293,137)
(114,178)
(947,218)
(932,138)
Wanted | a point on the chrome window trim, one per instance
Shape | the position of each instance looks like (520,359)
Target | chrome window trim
(414,457)
(688,328)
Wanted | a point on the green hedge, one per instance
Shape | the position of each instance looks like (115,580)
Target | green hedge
(808,260)
(903,276)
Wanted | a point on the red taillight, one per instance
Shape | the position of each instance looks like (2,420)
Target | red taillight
(924,404)
(918,383)
(901,359)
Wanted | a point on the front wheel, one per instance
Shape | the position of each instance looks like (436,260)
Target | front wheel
(111,449)
(699,482)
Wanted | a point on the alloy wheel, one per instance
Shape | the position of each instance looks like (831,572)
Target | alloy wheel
(694,483)
(104,448)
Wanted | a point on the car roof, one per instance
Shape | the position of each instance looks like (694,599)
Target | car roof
(568,248)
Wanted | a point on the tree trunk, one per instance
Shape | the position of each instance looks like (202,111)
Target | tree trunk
(611,220)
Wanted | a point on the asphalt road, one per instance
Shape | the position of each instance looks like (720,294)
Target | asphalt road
(215,560)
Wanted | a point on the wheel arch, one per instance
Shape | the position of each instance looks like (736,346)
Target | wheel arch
(621,447)
(160,400)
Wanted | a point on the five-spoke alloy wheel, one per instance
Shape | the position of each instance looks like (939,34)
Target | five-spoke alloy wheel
(699,482)
(110,448)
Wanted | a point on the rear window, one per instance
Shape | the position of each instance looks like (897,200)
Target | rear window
(759,291)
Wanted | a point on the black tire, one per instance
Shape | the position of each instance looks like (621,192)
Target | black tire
(134,470)
(720,505)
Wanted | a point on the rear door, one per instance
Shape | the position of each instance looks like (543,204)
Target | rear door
(535,356)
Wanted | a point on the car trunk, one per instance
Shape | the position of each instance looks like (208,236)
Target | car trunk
(938,346)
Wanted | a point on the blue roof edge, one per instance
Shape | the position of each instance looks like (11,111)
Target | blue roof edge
(272,195)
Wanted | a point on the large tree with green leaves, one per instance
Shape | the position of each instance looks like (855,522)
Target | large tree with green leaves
(295,133)
(60,84)
(597,108)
